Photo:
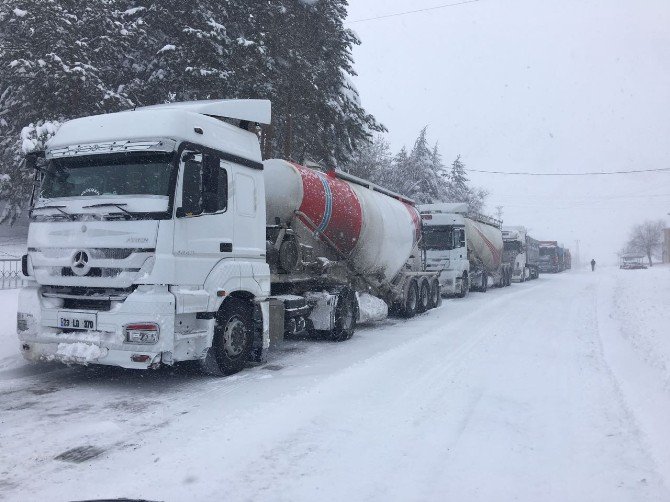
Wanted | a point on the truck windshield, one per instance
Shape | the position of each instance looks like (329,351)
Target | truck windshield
(547,252)
(512,246)
(437,237)
(116,174)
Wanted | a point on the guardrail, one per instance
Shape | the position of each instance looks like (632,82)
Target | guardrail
(11,275)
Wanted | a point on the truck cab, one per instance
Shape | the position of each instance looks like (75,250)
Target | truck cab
(445,245)
(514,242)
(147,240)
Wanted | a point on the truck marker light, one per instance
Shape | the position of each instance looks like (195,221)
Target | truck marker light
(140,358)
(221,293)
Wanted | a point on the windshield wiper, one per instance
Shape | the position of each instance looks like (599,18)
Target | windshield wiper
(57,208)
(112,204)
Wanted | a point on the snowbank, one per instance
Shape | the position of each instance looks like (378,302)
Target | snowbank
(371,308)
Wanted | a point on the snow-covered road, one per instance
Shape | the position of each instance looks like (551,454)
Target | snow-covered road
(554,390)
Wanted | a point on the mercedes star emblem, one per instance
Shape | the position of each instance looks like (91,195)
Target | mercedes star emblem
(80,264)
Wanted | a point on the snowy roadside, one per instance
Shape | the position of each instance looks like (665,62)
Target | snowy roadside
(10,357)
(506,395)
(634,319)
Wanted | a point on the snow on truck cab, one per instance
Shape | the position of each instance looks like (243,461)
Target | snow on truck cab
(158,235)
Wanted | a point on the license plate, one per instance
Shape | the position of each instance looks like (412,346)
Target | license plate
(77,320)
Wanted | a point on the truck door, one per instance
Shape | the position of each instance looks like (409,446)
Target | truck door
(204,227)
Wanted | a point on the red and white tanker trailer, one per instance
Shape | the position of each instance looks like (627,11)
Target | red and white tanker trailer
(331,235)
(158,235)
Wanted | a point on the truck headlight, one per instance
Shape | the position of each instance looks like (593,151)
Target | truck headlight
(142,333)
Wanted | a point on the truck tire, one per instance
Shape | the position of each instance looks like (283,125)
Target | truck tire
(345,317)
(465,286)
(424,296)
(435,294)
(411,301)
(233,339)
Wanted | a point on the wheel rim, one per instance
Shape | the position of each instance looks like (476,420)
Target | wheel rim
(234,336)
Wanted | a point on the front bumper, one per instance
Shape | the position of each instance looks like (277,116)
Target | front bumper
(41,341)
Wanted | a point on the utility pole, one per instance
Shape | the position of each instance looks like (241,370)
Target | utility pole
(578,261)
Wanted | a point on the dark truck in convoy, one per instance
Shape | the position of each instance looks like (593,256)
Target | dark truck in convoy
(552,257)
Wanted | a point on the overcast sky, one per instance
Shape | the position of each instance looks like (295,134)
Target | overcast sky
(532,85)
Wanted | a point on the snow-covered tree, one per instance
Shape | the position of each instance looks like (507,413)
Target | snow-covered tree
(371,161)
(60,59)
(459,190)
(646,238)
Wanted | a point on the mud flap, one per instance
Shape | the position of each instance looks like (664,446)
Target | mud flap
(261,344)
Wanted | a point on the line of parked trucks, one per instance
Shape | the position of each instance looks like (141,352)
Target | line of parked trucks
(159,235)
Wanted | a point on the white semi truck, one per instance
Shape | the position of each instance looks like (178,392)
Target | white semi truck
(465,248)
(523,252)
(158,235)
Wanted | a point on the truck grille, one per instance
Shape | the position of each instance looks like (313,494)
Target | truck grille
(86,298)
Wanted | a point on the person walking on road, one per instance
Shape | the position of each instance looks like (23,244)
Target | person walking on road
(593,264)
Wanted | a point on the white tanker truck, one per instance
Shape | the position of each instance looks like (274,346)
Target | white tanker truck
(158,235)
(465,248)
(523,252)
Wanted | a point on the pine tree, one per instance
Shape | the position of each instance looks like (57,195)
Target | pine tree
(62,59)
(459,190)
(59,60)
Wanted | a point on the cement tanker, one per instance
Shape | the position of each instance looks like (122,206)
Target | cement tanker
(375,231)
(253,250)
(485,253)
(465,248)
(332,234)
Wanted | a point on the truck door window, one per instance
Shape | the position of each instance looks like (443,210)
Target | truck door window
(204,184)
(222,186)
(215,185)
(192,184)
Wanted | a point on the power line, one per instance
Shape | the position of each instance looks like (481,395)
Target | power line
(397,14)
(594,173)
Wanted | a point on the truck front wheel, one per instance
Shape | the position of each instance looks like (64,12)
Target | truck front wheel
(233,339)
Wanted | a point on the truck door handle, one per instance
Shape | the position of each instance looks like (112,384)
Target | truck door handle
(226,247)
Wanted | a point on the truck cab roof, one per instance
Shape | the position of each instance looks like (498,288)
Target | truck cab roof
(160,127)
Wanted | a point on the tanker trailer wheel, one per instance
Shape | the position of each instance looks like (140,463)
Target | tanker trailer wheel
(233,339)
(435,295)
(465,286)
(411,304)
(346,313)
(424,296)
